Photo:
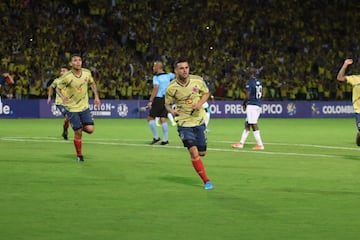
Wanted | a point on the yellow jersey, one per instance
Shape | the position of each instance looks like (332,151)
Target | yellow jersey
(76,89)
(58,99)
(354,80)
(185,97)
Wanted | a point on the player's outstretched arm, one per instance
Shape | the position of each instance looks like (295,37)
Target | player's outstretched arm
(341,73)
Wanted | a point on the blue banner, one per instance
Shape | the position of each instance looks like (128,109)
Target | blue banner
(285,109)
(219,109)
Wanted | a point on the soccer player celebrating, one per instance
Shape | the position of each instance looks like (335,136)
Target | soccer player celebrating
(59,103)
(252,106)
(75,84)
(354,80)
(189,93)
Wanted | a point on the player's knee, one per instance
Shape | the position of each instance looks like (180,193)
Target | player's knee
(88,129)
(202,153)
(358,139)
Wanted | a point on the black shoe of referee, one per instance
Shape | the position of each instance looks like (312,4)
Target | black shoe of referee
(155,140)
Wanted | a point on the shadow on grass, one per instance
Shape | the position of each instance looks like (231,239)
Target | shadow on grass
(63,158)
(67,155)
(57,158)
(181,180)
(352,157)
(316,191)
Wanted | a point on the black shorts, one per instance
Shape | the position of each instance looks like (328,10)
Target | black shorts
(158,108)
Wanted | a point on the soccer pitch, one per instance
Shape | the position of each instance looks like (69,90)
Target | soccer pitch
(304,185)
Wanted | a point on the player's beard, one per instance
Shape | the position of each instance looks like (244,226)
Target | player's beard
(183,77)
(77,67)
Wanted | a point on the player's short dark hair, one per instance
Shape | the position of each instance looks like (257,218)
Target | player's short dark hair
(181,60)
(75,55)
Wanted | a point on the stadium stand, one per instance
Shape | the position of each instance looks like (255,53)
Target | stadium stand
(297,46)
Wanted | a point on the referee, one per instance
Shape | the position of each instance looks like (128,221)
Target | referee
(156,102)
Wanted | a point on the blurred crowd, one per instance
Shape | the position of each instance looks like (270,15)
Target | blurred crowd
(296,46)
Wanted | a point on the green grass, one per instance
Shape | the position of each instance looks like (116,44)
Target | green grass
(304,185)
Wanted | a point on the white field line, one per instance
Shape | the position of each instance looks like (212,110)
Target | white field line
(303,145)
(114,143)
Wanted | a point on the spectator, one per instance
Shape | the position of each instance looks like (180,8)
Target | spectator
(115,36)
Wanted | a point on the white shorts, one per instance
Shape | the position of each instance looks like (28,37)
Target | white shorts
(252,113)
(205,105)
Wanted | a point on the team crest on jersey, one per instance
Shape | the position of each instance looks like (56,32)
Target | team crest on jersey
(86,80)
(195,89)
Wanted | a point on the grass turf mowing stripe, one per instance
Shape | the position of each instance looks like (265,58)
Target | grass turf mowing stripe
(94,141)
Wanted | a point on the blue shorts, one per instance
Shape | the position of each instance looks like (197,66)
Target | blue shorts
(193,136)
(357,117)
(62,109)
(80,119)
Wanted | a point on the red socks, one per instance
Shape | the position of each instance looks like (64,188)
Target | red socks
(66,124)
(78,146)
(199,168)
